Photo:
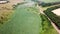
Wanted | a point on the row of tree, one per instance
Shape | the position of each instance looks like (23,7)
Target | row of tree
(48,4)
(54,18)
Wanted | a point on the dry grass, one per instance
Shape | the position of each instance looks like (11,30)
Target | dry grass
(5,15)
(6,10)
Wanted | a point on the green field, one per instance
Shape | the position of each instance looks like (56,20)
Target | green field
(24,21)
(48,1)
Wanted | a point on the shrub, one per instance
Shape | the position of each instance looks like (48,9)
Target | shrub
(52,16)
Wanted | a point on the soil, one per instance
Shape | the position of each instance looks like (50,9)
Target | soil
(57,11)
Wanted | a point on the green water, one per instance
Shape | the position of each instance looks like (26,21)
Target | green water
(24,21)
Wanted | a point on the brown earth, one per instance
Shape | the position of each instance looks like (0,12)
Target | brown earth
(6,9)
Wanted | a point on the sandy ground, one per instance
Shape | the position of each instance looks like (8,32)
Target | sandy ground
(57,11)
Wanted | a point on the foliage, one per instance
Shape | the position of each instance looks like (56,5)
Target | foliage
(49,4)
(47,28)
(52,16)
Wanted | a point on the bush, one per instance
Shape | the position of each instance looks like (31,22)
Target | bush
(46,24)
(49,4)
(52,16)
